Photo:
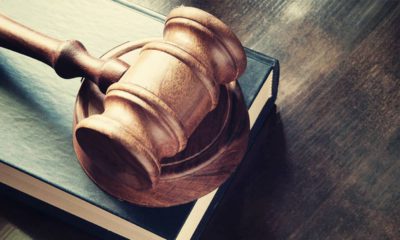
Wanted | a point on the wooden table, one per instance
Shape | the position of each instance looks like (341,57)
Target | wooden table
(328,164)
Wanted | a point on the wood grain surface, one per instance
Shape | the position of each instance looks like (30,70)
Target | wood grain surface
(328,167)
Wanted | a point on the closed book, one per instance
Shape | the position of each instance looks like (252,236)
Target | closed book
(37,159)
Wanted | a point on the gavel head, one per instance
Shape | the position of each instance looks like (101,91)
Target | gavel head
(159,102)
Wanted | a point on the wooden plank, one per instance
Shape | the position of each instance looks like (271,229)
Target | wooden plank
(329,167)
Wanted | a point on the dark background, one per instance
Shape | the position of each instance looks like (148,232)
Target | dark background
(326,166)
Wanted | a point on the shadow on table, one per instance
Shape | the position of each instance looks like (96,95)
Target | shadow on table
(20,221)
(247,210)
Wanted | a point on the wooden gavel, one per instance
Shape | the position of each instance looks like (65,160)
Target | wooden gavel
(153,107)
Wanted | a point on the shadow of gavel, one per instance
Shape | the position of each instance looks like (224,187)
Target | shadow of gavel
(152,107)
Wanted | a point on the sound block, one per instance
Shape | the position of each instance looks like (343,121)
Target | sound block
(211,155)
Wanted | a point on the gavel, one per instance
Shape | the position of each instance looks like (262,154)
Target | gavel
(145,143)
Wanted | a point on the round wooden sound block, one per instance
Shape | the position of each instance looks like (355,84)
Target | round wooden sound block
(211,154)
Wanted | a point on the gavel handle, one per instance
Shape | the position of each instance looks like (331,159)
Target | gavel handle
(68,58)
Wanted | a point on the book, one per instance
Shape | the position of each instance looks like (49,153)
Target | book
(36,154)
